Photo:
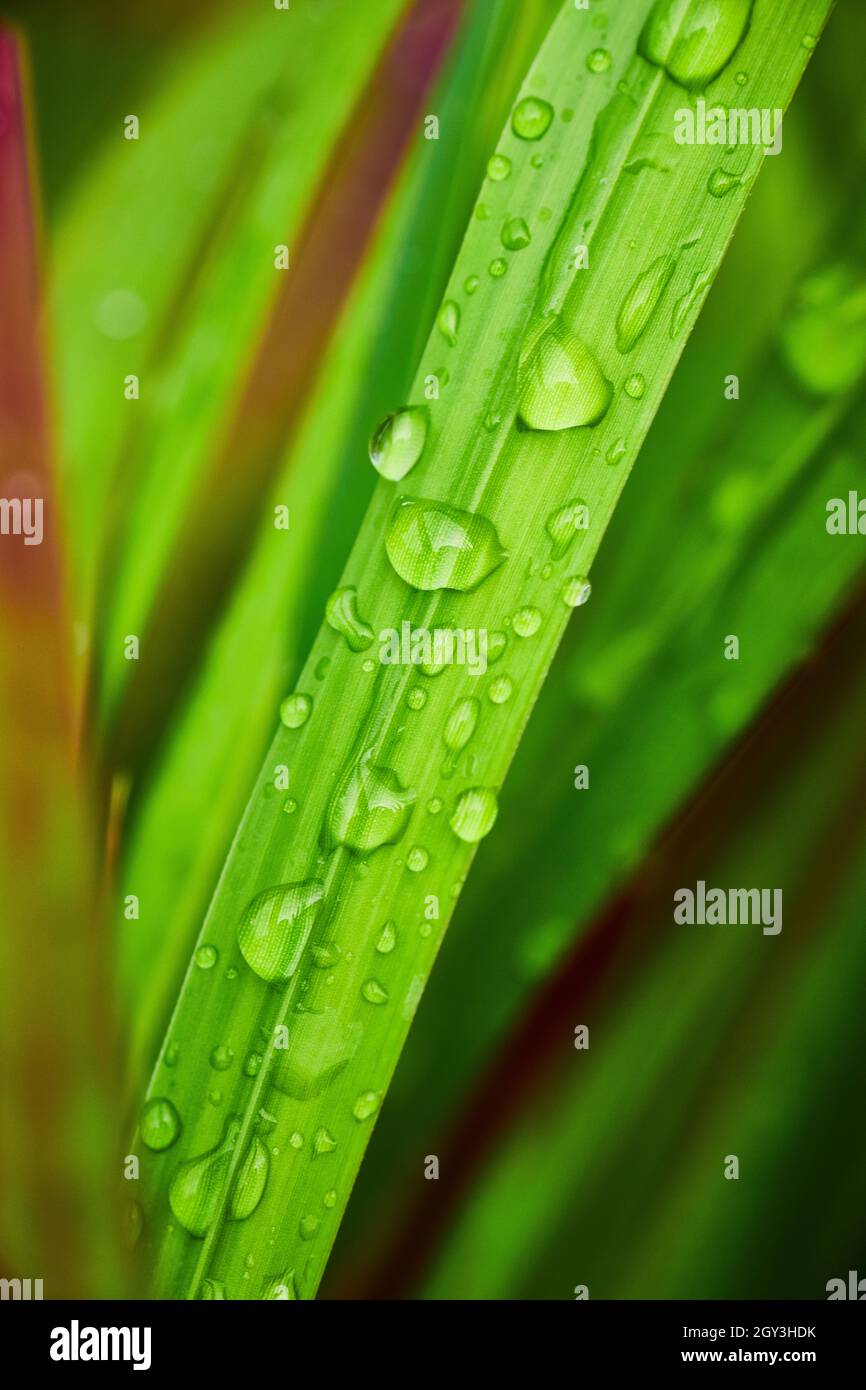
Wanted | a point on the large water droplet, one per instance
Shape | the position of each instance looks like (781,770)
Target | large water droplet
(399,442)
(641,302)
(370,807)
(564,523)
(295,710)
(498,167)
(515,234)
(197,1186)
(320,1044)
(160,1124)
(576,590)
(323,1142)
(374,992)
(275,928)
(693,40)
(824,334)
(474,814)
(341,613)
(531,118)
(560,385)
(436,546)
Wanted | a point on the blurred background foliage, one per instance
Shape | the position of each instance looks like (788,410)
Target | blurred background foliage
(558,1167)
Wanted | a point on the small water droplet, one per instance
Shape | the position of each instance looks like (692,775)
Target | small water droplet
(560,384)
(515,234)
(374,992)
(417,859)
(387,939)
(471,283)
(434,805)
(599,60)
(323,1142)
(325,955)
(741,79)
(497,267)
(461,723)
(212,1289)
(416,698)
(367,1104)
(206,957)
(171,1054)
(526,622)
(694,41)
(499,690)
(160,1124)
(296,1139)
(809,41)
(290,805)
(282,1288)
(275,927)
(474,814)
(330,1198)
(498,167)
(341,614)
(448,322)
(222,1057)
(617,452)
(635,386)
(687,304)
(308,1226)
(322,668)
(492,421)
(576,590)
(641,302)
(531,118)
(721,182)
(399,441)
(252,1064)
(295,710)
(433,545)
(564,523)
(496,644)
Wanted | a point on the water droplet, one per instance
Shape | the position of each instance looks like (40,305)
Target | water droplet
(498,167)
(215,1096)
(399,442)
(496,644)
(531,118)
(599,60)
(515,234)
(617,452)
(576,590)
(642,301)
(172,1052)
(133,1224)
(341,614)
(369,808)
(823,336)
(741,79)
(295,710)
(492,421)
(417,859)
(274,929)
(564,523)
(434,805)
(160,1124)
(721,182)
(323,1142)
(196,1189)
(212,1289)
(296,1139)
(252,1064)
(368,665)
(526,622)
(694,41)
(497,267)
(374,992)
(308,1226)
(436,546)
(206,957)
(461,723)
(635,386)
(560,385)
(325,955)
(367,1104)
(322,668)
(471,283)
(387,939)
(330,1198)
(809,41)
(448,322)
(222,1057)
(416,698)
(282,1288)
(290,805)
(687,304)
(499,690)
(432,668)
(320,1044)
(474,814)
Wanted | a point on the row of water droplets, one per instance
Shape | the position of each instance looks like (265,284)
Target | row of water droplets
(432,546)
